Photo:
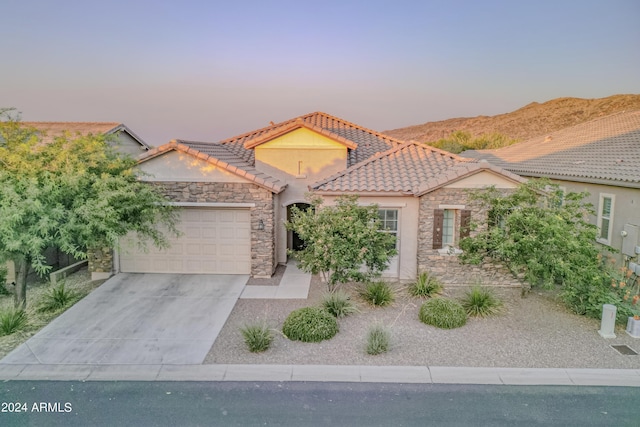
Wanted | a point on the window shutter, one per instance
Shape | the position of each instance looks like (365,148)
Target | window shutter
(465,223)
(438,222)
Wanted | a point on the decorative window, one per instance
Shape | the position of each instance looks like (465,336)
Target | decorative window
(448,220)
(389,222)
(605,218)
(445,231)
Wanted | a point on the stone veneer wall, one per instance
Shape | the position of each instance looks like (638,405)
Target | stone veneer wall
(100,260)
(447,267)
(263,262)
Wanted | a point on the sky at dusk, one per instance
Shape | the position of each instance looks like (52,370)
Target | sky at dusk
(208,70)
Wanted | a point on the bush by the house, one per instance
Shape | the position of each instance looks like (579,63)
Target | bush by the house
(257,337)
(481,301)
(443,313)
(544,234)
(426,285)
(340,240)
(377,293)
(12,320)
(378,340)
(310,324)
(338,303)
(57,298)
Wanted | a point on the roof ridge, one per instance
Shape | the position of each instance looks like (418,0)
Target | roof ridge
(444,152)
(362,128)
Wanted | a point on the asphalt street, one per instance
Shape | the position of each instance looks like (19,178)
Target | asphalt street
(69,403)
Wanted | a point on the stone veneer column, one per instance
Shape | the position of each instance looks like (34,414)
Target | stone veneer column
(100,262)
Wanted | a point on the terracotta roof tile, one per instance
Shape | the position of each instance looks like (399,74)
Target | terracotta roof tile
(602,151)
(411,168)
(363,143)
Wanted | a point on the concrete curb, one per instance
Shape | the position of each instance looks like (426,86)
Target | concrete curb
(325,373)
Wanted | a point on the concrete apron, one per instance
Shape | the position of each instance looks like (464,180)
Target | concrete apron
(137,319)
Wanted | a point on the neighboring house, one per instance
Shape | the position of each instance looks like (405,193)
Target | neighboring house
(601,157)
(123,139)
(237,194)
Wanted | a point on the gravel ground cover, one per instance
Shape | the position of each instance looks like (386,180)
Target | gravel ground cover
(79,282)
(531,332)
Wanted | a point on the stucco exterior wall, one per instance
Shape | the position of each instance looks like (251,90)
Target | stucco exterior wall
(182,167)
(626,208)
(302,152)
(124,143)
(263,262)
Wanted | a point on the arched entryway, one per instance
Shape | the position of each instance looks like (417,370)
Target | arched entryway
(294,242)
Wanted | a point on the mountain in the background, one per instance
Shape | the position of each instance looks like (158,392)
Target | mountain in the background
(527,122)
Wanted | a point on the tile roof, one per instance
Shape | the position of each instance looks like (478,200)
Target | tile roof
(409,169)
(219,155)
(54,129)
(363,143)
(602,151)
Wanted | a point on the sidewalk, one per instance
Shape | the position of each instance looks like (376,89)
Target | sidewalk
(325,373)
(293,285)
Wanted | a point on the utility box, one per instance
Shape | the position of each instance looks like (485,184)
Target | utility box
(630,240)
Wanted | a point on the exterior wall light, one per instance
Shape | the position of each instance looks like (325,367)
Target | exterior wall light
(261,225)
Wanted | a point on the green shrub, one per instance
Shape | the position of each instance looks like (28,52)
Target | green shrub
(377,293)
(11,321)
(257,337)
(443,313)
(481,301)
(338,304)
(378,339)
(58,298)
(426,285)
(310,324)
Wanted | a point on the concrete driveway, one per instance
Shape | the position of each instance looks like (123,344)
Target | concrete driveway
(138,319)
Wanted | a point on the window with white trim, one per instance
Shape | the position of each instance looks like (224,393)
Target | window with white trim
(605,218)
(389,222)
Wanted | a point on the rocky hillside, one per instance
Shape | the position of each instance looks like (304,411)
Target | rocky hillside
(529,121)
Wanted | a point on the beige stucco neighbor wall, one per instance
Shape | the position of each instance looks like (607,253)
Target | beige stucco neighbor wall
(263,262)
(124,143)
(626,208)
(446,266)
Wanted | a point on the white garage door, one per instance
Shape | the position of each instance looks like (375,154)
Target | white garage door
(214,241)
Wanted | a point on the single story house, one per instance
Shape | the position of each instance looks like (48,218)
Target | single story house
(237,194)
(601,157)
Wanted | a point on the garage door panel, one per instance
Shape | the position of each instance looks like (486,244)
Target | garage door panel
(213,241)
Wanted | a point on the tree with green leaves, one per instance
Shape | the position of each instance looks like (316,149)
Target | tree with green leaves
(74,193)
(460,141)
(544,234)
(344,242)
